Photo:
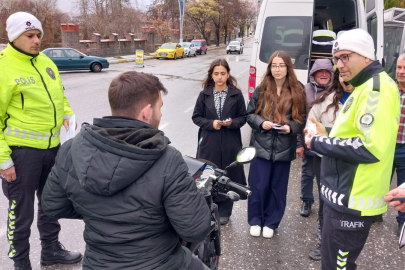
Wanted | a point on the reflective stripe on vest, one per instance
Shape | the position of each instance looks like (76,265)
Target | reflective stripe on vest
(332,196)
(364,203)
(31,135)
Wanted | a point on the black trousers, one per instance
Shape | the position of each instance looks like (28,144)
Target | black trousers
(32,168)
(343,238)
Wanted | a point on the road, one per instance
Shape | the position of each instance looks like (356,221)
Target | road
(296,236)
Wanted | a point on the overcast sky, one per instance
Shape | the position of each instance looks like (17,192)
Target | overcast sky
(68,6)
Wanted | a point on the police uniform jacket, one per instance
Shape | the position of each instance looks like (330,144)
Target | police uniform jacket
(358,154)
(32,103)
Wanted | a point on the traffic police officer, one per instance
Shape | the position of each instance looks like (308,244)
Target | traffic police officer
(33,108)
(358,153)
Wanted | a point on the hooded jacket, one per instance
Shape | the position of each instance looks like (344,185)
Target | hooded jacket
(133,192)
(313,91)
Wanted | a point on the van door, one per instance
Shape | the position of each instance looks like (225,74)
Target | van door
(284,25)
(375,25)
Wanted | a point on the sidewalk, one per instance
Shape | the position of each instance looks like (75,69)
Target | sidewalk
(131,57)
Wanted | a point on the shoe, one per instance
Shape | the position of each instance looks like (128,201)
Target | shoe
(255,230)
(267,232)
(55,252)
(400,225)
(223,220)
(316,253)
(23,264)
(305,210)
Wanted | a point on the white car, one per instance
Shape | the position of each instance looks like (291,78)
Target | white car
(189,49)
(234,46)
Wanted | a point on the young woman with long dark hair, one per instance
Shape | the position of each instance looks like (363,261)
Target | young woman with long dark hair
(220,112)
(276,114)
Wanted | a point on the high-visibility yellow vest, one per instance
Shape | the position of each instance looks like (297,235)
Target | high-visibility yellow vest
(32,103)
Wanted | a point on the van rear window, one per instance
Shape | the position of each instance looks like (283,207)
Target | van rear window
(197,43)
(290,34)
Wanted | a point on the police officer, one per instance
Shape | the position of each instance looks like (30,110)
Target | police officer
(32,110)
(358,153)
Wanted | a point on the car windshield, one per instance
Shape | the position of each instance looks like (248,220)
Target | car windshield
(198,43)
(168,46)
(185,45)
(234,43)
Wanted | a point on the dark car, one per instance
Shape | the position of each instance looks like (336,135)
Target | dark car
(71,59)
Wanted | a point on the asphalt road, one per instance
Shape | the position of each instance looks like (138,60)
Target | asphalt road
(296,236)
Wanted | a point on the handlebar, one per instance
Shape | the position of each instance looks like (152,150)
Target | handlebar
(240,188)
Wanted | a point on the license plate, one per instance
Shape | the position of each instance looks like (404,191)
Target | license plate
(163,54)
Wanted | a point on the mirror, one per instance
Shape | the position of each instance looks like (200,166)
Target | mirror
(81,56)
(246,155)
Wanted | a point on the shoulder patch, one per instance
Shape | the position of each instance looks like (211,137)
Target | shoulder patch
(349,103)
(50,73)
(366,120)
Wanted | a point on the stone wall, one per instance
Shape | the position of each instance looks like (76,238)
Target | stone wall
(113,46)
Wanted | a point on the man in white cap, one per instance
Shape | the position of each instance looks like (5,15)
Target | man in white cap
(357,153)
(33,108)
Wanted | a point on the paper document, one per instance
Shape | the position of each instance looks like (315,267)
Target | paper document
(72,126)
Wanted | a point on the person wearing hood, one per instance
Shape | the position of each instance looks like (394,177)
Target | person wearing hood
(320,78)
(130,187)
(33,109)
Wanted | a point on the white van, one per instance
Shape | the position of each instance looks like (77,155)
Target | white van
(289,25)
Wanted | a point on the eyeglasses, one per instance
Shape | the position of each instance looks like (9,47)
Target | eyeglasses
(280,67)
(344,58)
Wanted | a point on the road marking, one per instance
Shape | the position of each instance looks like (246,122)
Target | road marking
(163,126)
(189,109)
(242,72)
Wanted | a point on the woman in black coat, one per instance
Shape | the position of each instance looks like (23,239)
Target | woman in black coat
(220,112)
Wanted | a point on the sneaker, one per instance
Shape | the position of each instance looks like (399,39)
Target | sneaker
(267,232)
(305,210)
(400,225)
(255,230)
(316,253)
(55,252)
(23,264)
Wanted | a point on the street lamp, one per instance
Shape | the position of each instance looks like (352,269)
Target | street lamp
(181,7)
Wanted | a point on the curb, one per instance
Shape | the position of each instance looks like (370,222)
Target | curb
(119,61)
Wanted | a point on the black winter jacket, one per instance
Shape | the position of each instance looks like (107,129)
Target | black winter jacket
(133,192)
(271,144)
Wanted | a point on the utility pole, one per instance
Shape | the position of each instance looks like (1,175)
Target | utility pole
(181,7)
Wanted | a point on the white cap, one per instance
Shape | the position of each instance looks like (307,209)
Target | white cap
(356,40)
(20,22)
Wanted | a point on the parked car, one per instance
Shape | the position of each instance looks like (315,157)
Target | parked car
(240,40)
(201,45)
(71,59)
(189,49)
(170,50)
(234,46)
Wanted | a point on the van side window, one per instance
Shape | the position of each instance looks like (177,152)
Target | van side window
(372,28)
(291,34)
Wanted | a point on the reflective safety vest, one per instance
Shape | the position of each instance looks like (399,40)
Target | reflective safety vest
(32,103)
(358,154)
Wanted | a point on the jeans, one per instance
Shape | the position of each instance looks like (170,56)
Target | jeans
(399,166)
(307,179)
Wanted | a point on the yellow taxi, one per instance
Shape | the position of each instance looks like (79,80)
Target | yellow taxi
(170,50)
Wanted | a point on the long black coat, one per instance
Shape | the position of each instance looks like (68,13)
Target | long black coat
(221,146)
